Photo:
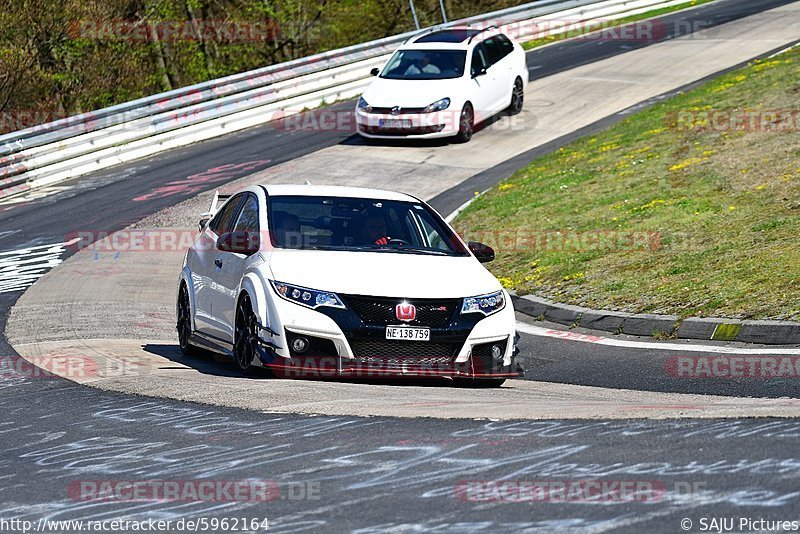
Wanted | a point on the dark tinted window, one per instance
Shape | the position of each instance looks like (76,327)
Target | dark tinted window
(497,49)
(479,59)
(447,36)
(337,223)
(248,219)
(222,222)
(425,65)
(506,44)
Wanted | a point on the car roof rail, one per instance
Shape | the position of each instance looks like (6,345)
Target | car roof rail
(481,31)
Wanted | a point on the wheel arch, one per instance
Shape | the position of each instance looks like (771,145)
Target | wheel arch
(253,287)
(185,278)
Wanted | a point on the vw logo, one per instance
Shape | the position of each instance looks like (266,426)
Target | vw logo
(396,110)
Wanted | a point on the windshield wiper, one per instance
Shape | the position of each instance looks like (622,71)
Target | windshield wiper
(411,250)
(402,249)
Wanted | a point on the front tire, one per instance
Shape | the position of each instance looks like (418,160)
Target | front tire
(184,323)
(245,336)
(466,124)
(517,98)
(479,383)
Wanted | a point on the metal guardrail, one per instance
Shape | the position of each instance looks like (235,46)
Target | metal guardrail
(56,151)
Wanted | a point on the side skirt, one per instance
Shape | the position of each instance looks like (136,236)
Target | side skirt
(211,343)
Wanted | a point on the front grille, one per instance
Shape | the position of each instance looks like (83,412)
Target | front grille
(442,363)
(388,111)
(418,130)
(405,356)
(404,349)
(381,311)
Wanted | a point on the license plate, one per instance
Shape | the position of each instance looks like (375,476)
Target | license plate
(394,123)
(408,333)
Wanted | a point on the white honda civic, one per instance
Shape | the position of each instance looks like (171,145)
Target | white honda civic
(443,83)
(338,281)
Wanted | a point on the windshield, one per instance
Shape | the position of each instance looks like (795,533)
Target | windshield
(339,223)
(425,65)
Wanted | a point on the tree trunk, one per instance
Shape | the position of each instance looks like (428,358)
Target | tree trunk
(161,63)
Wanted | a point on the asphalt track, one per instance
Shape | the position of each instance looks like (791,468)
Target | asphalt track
(375,473)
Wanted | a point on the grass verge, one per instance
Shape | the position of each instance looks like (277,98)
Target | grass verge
(582,29)
(672,210)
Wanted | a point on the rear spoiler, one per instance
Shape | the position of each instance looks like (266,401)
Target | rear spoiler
(216,202)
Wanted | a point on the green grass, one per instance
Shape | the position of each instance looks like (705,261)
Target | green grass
(691,221)
(609,24)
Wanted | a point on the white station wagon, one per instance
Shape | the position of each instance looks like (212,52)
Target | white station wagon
(442,83)
(338,281)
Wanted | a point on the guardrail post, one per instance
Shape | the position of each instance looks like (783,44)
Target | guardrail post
(414,13)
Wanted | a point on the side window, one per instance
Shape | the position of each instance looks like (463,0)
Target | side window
(223,221)
(506,44)
(496,49)
(479,59)
(248,219)
(413,229)
(431,237)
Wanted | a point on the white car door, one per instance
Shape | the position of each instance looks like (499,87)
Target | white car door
(499,50)
(482,83)
(230,267)
(205,271)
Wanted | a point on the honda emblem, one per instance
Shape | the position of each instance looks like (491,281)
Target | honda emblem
(405,312)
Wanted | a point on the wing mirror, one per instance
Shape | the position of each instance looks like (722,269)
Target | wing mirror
(480,72)
(375,71)
(246,243)
(484,253)
(202,224)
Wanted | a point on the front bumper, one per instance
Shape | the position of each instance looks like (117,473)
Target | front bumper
(343,343)
(415,125)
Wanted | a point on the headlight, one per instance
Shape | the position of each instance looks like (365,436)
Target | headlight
(439,105)
(485,304)
(363,106)
(310,298)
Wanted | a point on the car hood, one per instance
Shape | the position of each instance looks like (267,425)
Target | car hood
(385,274)
(383,92)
